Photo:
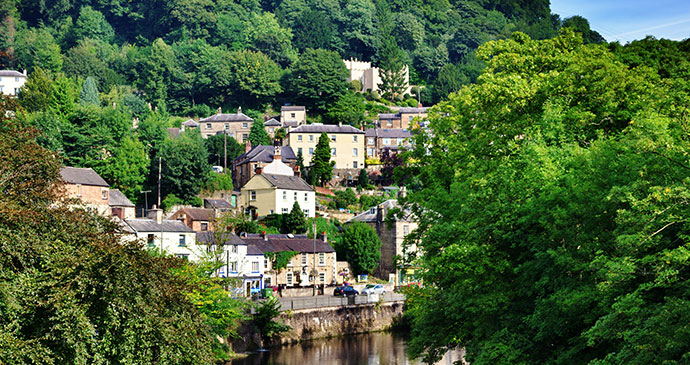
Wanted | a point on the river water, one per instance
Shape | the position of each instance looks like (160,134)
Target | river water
(381,348)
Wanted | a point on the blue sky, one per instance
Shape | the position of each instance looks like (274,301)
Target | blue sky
(632,19)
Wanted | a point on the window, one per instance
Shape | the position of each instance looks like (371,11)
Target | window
(104,194)
(245,125)
(289,279)
(386,141)
(233,266)
(311,138)
(271,129)
(322,277)
(371,140)
(149,240)
(372,210)
(295,195)
(252,195)
(322,259)
(306,212)
(299,151)
(292,115)
(333,138)
(208,125)
(227,126)
(284,195)
(354,164)
(411,117)
(245,136)
(311,151)
(285,211)
(0,88)
(406,230)
(389,124)
(255,266)
(305,197)
(78,190)
(354,138)
(355,152)
(299,138)
(204,226)
(332,151)
(183,256)
(233,248)
(289,263)
(265,264)
(400,140)
(304,258)
(370,151)
(16,79)
(183,241)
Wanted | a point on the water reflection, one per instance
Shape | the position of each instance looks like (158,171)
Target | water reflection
(371,349)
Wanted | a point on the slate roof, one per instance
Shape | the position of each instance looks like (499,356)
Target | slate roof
(279,242)
(219,118)
(368,216)
(289,108)
(217,204)
(288,182)
(254,250)
(272,123)
(389,116)
(265,154)
(84,176)
(190,123)
(11,73)
(150,225)
(388,133)
(198,214)
(291,123)
(227,238)
(117,199)
(412,110)
(320,128)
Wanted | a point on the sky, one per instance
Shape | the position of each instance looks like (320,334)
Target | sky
(627,20)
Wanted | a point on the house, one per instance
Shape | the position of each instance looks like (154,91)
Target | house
(120,206)
(11,82)
(346,142)
(379,139)
(218,205)
(369,76)
(231,196)
(403,119)
(169,236)
(392,237)
(314,256)
(234,125)
(244,166)
(293,116)
(271,126)
(86,185)
(247,264)
(197,219)
(266,194)
(189,124)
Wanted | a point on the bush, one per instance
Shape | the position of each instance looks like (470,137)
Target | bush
(345,198)
(170,201)
(195,201)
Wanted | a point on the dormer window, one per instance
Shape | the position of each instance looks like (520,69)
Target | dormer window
(372,211)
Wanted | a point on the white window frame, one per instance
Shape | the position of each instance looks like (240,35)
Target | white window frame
(284,195)
(208,126)
(371,140)
(311,138)
(289,278)
(252,195)
(355,152)
(304,259)
(322,277)
(322,259)
(255,266)
(333,152)
(299,138)
(104,193)
(333,138)
(311,151)
(354,138)
(245,125)
(182,241)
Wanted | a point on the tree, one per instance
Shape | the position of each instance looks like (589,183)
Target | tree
(126,169)
(581,25)
(362,247)
(216,146)
(321,170)
(313,29)
(37,48)
(92,24)
(157,72)
(265,34)
(37,92)
(255,77)
(295,221)
(349,109)
(89,93)
(363,179)
(449,79)
(319,79)
(185,165)
(258,135)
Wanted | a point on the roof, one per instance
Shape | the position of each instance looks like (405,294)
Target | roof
(291,123)
(217,204)
(412,110)
(320,128)
(150,225)
(227,238)
(254,250)
(272,123)
(84,176)
(389,116)
(368,216)
(198,214)
(289,108)
(117,199)
(288,182)
(11,73)
(220,117)
(173,132)
(281,242)
(388,133)
(190,123)
(265,154)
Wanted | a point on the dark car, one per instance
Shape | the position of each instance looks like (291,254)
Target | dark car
(345,290)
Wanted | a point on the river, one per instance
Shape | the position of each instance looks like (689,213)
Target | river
(380,348)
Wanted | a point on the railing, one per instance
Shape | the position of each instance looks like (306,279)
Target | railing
(332,301)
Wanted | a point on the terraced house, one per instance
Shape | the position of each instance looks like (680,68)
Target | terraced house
(346,142)
(234,125)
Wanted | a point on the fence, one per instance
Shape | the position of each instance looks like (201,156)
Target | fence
(329,301)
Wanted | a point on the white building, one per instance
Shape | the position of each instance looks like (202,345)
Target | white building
(11,81)
(177,239)
(369,76)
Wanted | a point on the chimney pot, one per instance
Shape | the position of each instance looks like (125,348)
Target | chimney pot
(276,154)
(247,146)
(156,214)
(324,238)
(239,110)
(258,170)
(264,235)
(219,110)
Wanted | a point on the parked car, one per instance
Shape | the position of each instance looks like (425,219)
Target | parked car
(344,290)
(373,289)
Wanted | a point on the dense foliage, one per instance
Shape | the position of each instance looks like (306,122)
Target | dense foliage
(553,196)
(361,247)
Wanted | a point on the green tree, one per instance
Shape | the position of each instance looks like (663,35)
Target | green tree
(349,109)
(581,25)
(319,79)
(295,221)
(321,170)
(37,92)
(391,61)
(363,179)
(255,77)
(313,29)
(362,247)
(126,169)
(264,34)
(185,165)
(216,147)
(450,79)
(89,93)
(258,135)
(265,321)
(37,48)
(92,24)
(157,72)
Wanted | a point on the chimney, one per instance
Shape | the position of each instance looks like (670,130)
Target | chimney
(380,216)
(239,110)
(323,237)
(340,124)
(258,170)
(156,214)
(297,173)
(264,235)
(219,110)
(24,72)
(182,127)
(247,146)
(276,154)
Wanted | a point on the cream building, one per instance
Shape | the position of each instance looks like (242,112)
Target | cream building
(11,81)
(369,76)
(169,236)
(266,194)
(292,116)
(346,142)
(235,125)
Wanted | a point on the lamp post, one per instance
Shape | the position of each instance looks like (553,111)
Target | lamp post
(146,200)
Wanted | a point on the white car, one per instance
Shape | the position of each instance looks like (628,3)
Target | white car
(373,289)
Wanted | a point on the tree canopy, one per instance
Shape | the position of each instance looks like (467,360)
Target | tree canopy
(361,247)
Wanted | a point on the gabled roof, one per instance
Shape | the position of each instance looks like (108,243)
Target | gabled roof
(320,128)
(290,108)
(190,123)
(291,123)
(117,199)
(216,204)
(389,116)
(220,118)
(280,242)
(150,225)
(412,110)
(226,238)
(265,154)
(11,73)
(388,133)
(370,214)
(287,182)
(198,214)
(84,176)
(272,123)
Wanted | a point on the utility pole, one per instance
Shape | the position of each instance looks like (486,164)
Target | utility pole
(146,200)
(159,181)
(314,254)
(225,152)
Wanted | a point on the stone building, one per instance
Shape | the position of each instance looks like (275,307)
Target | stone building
(197,219)
(379,139)
(369,76)
(402,119)
(346,142)
(244,166)
(292,116)
(86,185)
(120,206)
(234,125)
